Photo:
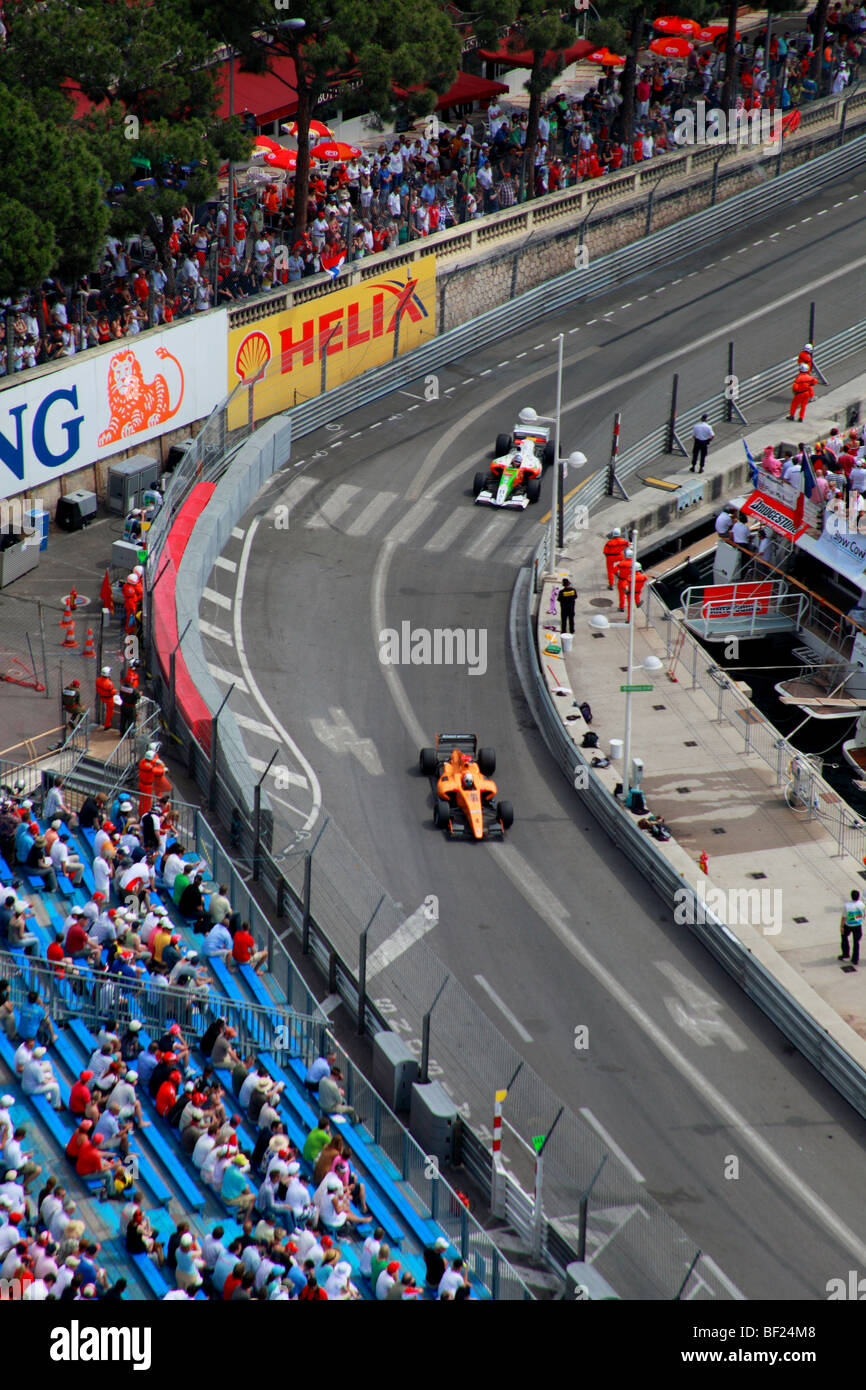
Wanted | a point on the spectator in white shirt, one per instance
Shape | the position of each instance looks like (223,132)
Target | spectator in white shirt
(453,1278)
(63,862)
(702,434)
(740,533)
(724,521)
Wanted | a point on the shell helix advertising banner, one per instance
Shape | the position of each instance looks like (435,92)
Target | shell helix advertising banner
(338,335)
(107,400)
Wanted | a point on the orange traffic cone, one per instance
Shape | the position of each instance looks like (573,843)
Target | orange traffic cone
(67,614)
(69,639)
(89,649)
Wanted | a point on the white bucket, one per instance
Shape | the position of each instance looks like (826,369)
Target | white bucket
(567,640)
(615,749)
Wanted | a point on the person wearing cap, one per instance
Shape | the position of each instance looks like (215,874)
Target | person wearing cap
(130,1041)
(80,1094)
(566,599)
(332,1203)
(105,693)
(38,864)
(189,1262)
(233,1188)
(386,1278)
(38,1079)
(434,1262)
(166,1094)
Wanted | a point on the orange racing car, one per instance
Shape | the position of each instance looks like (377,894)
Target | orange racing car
(466,804)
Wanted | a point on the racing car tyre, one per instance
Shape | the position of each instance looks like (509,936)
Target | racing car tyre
(441,813)
(533,489)
(503,444)
(548,453)
(506,814)
(478,483)
(428,762)
(487,761)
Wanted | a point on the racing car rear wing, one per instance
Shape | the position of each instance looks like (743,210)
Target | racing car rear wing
(464,743)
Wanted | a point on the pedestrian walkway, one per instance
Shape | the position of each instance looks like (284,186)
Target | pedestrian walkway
(717,796)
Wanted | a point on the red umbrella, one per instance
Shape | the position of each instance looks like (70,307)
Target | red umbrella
(335,149)
(672,24)
(671,48)
(282,159)
(604,57)
(264,142)
(317,128)
(704,36)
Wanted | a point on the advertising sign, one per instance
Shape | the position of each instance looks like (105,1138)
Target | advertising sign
(350,330)
(779,516)
(841,545)
(736,600)
(105,401)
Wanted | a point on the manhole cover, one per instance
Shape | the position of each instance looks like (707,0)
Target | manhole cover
(719,830)
(757,875)
(683,791)
(801,919)
(690,743)
(659,706)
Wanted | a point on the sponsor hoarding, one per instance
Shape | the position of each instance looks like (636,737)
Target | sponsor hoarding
(736,600)
(103,402)
(778,515)
(352,329)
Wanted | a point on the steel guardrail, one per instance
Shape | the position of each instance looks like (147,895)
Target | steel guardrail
(576,285)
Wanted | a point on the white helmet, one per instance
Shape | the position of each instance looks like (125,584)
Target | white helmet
(132,578)
(615,532)
(106,670)
(469,780)
(629,554)
(807,347)
(638,565)
(139,569)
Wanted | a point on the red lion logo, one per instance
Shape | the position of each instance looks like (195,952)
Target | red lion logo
(134,404)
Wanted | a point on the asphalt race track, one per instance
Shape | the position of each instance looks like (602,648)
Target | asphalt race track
(382,529)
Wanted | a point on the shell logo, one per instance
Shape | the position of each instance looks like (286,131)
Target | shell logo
(253,356)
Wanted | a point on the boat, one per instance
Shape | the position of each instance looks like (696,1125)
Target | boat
(820,689)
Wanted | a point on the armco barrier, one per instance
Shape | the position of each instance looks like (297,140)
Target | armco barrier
(828,1056)
(576,285)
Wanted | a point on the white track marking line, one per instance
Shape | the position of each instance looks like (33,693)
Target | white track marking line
(238,533)
(401,940)
(228,678)
(614,1147)
(222,563)
(259,765)
(687,348)
(366,520)
(446,534)
(504,1009)
(495,531)
(217,634)
(532,887)
(332,508)
(415,517)
(221,600)
(254,726)
(296,492)
(257,695)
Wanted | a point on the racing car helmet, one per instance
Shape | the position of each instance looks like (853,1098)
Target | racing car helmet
(468,781)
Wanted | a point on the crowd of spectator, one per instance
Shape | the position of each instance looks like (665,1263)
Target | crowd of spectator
(411,186)
(293,1208)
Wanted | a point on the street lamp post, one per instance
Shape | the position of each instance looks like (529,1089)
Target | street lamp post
(626,743)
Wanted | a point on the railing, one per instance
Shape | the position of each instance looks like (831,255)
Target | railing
(774,600)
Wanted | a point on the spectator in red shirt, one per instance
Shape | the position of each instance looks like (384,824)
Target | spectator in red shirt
(77,941)
(79,1137)
(80,1095)
(243,948)
(90,1160)
(167,1094)
(233,1281)
(140,287)
(56,953)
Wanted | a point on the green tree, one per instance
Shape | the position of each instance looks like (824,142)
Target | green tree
(541,30)
(53,175)
(149,71)
(377,43)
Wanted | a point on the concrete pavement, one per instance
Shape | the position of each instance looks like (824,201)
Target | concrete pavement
(715,794)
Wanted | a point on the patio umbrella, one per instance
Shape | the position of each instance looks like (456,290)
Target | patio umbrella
(335,149)
(317,128)
(672,24)
(671,48)
(605,58)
